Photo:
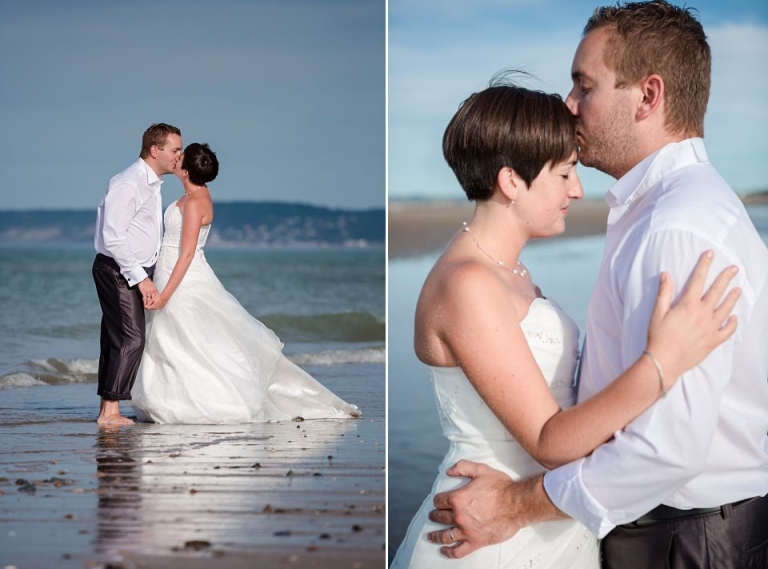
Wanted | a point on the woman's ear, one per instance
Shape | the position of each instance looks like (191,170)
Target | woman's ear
(509,183)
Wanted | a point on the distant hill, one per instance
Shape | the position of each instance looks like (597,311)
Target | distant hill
(241,223)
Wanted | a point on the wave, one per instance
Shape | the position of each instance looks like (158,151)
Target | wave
(75,367)
(19,380)
(337,327)
(340,357)
(53,371)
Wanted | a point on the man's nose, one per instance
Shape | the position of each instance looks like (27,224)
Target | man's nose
(573,106)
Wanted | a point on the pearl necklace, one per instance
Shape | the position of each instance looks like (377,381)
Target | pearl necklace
(193,191)
(520,271)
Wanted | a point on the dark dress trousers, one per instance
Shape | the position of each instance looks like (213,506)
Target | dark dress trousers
(122,329)
(734,536)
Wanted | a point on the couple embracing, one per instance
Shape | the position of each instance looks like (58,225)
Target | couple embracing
(665,456)
(196,356)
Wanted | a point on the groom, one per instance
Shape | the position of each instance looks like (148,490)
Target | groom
(129,230)
(683,485)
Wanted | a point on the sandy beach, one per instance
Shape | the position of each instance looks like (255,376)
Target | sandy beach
(423,227)
(293,494)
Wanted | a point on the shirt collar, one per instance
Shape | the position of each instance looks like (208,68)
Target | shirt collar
(645,175)
(152,179)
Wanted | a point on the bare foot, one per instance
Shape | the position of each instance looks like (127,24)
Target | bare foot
(109,415)
(114,421)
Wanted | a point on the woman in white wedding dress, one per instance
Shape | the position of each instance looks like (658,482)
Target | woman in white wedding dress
(206,359)
(502,357)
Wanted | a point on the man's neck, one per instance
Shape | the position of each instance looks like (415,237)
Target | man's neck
(651,146)
(153,165)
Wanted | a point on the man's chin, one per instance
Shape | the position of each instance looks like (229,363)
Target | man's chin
(584,158)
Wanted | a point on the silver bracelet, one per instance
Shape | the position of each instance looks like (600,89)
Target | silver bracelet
(658,369)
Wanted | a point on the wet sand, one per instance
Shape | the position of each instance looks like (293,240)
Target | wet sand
(424,227)
(295,494)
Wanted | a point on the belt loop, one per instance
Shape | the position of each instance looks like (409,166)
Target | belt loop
(726,511)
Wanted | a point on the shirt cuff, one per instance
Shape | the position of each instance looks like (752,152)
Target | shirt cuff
(135,276)
(567,491)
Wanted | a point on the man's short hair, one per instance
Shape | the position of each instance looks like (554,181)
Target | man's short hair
(657,37)
(156,135)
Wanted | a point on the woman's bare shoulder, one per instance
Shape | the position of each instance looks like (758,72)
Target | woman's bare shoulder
(199,206)
(459,285)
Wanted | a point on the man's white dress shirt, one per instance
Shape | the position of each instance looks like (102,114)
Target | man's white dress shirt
(129,221)
(705,443)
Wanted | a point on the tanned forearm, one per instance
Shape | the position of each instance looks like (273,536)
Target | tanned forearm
(540,508)
(576,432)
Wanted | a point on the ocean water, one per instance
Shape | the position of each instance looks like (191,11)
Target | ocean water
(326,305)
(565,269)
(101,496)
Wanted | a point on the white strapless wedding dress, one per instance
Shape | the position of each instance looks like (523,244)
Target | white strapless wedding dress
(208,361)
(476,434)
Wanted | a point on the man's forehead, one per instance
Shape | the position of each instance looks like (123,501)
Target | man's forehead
(588,58)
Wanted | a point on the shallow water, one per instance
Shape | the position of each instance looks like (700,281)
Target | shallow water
(102,495)
(327,306)
(74,495)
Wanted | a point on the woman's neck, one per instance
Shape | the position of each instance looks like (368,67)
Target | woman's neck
(190,188)
(496,232)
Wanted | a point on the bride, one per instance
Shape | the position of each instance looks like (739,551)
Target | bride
(206,359)
(501,355)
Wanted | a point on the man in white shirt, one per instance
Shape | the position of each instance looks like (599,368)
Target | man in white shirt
(684,484)
(129,230)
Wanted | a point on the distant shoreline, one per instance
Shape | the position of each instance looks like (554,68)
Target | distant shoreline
(254,223)
(424,227)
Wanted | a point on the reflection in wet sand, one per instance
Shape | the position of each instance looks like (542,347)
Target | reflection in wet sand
(176,488)
(119,504)
(305,494)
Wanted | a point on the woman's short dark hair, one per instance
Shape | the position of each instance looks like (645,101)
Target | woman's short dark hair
(507,126)
(201,163)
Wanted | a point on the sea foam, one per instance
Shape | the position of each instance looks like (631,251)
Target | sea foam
(339,357)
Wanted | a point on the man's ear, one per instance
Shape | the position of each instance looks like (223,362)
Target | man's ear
(652,91)
(509,183)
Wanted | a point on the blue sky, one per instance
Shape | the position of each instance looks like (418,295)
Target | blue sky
(441,51)
(290,94)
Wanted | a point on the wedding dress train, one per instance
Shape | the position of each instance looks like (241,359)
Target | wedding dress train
(208,361)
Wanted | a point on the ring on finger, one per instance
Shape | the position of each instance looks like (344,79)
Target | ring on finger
(450,533)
